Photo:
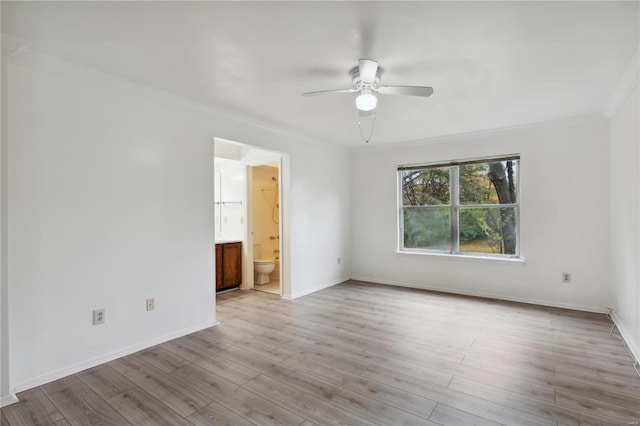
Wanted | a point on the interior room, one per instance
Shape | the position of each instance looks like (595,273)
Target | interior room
(247,184)
(320,213)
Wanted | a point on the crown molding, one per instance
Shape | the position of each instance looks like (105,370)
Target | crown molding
(627,83)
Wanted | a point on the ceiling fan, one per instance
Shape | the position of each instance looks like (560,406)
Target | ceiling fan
(366,80)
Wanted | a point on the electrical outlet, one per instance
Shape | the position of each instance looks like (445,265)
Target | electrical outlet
(566,277)
(98,316)
(151,304)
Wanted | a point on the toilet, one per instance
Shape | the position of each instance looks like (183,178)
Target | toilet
(262,269)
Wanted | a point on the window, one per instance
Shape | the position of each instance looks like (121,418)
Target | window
(466,207)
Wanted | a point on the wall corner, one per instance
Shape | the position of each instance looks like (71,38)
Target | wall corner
(627,82)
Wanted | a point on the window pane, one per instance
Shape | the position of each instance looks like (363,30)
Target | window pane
(427,228)
(425,187)
(488,230)
(488,183)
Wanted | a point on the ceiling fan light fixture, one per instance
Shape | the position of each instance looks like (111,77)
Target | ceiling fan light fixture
(366,100)
(366,79)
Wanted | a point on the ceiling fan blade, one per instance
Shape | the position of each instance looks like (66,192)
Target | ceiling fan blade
(367,69)
(322,92)
(406,90)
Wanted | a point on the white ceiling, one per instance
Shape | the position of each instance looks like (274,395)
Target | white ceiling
(491,64)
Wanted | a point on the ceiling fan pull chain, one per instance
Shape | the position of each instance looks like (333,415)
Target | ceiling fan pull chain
(373,126)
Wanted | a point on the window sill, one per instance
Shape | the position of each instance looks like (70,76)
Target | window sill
(463,256)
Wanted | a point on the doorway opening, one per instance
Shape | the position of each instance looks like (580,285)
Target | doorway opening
(251,198)
(265,220)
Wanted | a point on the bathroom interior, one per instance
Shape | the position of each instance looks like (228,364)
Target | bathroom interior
(247,218)
(266,227)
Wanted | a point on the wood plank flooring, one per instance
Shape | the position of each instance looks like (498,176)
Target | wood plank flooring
(359,354)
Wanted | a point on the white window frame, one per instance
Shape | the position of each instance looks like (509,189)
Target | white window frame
(455,207)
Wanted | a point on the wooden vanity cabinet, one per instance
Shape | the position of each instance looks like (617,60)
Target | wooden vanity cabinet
(218,266)
(228,265)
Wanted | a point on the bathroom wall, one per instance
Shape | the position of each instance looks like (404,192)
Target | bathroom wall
(229,188)
(265,217)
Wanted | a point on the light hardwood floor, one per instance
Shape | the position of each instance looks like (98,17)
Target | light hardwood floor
(273,287)
(355,354)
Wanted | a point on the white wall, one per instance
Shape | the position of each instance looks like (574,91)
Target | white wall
(625,211)
(111,201)
(5,394)
(564,223)
(229,188)
(319,187)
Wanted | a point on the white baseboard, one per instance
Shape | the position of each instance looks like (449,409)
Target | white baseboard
(8,400)
(596,309)
(633,345)
(318,288)
(72,369)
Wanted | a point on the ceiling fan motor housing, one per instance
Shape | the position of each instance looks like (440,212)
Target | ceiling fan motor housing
(355,77)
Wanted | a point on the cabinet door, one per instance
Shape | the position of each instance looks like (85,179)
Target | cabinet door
(219,267)
(232,259)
